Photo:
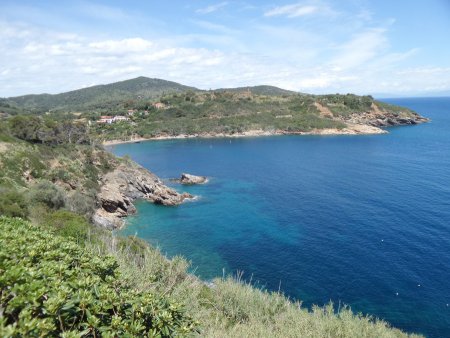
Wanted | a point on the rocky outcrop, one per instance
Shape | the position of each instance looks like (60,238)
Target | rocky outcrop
(378,117)
(192,179)
(125,184)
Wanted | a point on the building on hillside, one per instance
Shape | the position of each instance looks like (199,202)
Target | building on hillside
(120,118)
(112,119)
(131,112)
(106,119)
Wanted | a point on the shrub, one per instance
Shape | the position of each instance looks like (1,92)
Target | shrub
(25,127)
(47,193)
(49,286)
(35,129)
(68,224)
(12,203)
(61,175)
(82,204)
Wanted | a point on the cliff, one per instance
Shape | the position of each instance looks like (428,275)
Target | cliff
(378,116)
(126,183)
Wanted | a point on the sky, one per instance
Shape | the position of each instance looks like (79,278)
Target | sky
(378,47)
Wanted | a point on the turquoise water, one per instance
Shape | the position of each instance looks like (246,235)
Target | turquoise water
(352,219)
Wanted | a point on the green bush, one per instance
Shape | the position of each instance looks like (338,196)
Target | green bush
(51,287)
(68,224)
(60,175)
(47,193)
(36,129)
(12,203)
(82,203)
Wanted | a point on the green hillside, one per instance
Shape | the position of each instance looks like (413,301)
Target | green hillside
(110,96)
(260,90)
(159,108)
(113,97)
(211,113)
(167,109)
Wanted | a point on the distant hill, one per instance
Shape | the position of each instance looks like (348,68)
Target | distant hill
(185,110)
(114,96)
(97,97)
(261,90)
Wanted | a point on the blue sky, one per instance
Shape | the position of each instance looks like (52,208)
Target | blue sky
(384,47)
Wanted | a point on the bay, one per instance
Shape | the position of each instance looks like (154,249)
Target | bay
(359,220)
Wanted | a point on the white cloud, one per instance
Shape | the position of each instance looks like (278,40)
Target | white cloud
(289,55)
(362,48)
(121,46)
(292,11)
(425,71)
(301,9)
(211,8)
(215,27)
(53,62)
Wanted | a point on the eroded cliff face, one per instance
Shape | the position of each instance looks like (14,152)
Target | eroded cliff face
(128,182)
(379,117)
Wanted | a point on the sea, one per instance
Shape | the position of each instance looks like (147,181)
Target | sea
(356,220)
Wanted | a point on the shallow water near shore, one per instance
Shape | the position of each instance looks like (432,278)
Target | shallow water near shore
(361,220)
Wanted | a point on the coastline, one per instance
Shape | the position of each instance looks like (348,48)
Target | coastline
(351,129)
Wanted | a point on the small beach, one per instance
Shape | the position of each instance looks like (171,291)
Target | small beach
(351,129)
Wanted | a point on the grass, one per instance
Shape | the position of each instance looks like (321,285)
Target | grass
(230,307)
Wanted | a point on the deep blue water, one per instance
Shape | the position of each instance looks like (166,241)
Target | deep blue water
(352,219)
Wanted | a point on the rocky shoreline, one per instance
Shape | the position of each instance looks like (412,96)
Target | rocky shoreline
(381,118)
(125,184)
(349,130)
(130,181)
(355,125)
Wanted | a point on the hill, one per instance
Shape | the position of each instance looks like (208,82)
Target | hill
(243,113)
(114,96)
(259,90)
(108,96)
(161,108)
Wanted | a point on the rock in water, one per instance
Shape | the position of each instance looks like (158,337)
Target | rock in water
(125,184)
(192,179)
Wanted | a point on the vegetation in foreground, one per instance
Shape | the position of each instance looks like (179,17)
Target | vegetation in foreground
(50,286)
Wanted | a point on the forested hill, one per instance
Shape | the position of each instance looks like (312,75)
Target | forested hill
(96,97)
(158,108)
(113,96)
(260,90)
